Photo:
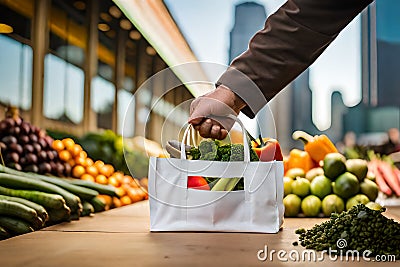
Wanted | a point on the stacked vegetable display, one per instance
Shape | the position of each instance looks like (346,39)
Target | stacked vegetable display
(28,148)
(129,190)
(332,185)
(35,190)
(30,201)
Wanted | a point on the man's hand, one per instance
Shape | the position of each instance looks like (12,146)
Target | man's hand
(208,113)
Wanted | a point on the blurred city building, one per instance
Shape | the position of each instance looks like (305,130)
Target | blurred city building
(380,106)
(249,18)
(291,109)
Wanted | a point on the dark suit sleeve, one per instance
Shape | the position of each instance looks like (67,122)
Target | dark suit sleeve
(291,41)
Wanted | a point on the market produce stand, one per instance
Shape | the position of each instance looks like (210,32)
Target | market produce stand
(121,237)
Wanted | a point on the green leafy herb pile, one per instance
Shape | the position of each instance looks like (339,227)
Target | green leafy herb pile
(361,227)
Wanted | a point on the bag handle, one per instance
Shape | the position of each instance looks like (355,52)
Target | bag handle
(246,146)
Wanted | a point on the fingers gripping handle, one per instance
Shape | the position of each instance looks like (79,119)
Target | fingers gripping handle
(245,140)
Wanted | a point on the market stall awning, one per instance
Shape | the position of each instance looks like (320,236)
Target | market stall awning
(153,20)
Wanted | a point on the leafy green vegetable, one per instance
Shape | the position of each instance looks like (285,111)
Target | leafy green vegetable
(213,150)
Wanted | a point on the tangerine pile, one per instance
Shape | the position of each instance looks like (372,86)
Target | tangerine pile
(129,189)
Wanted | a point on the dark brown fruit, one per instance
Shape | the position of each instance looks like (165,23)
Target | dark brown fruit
(9,140)
(28,148)
(23,139)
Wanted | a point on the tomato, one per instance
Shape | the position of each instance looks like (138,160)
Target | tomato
(198,182)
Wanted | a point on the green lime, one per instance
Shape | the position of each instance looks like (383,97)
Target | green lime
(321,186)
(334,165)
(301,187)
(314,172)
(357,199)
(346,185)
(358,167)
(370,189)
(295,172)
(332,203)
(292,205)
(311,205)
(287,185)
(371,176)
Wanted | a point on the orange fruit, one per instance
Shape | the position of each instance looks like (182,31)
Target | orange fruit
(101,179)
(71,162)
(119,176)
(144,182)
(82,154)
(135,194)
(99,164)
(68,143)
(78,171)
(127,179)
(64,155)
(125,200)
(87,177)
(80,161)
(116,202)
(110,169)
(75,150)
(120,191)
(89,162)
(107,170)
(92,170)
(112,180)
(58,145)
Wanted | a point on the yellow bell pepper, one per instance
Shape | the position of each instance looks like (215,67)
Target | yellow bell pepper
(317,146)
(300,159)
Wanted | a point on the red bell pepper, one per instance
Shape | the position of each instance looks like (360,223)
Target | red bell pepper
(268,149)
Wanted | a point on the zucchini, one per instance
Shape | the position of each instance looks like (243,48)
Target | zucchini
(18,210)
(4,234)
(101,188)
(41,212)
(59,215)
(15,226)
(98,204)
(44,199)
(75,216)
(82,193)
(87,209)
(20,182)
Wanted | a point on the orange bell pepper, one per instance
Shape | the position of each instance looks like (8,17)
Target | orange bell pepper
(300,159)
(317,146)
(268,150)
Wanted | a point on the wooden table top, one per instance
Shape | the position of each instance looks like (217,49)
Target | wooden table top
(121,237)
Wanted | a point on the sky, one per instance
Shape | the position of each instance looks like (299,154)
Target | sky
(206,25)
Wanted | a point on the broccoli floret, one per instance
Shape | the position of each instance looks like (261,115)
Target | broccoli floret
(194,153)
(224,153)
(208,156)
(237,152)
(208,149)
(213,150)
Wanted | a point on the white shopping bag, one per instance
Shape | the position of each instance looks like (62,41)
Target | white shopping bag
(174,207)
